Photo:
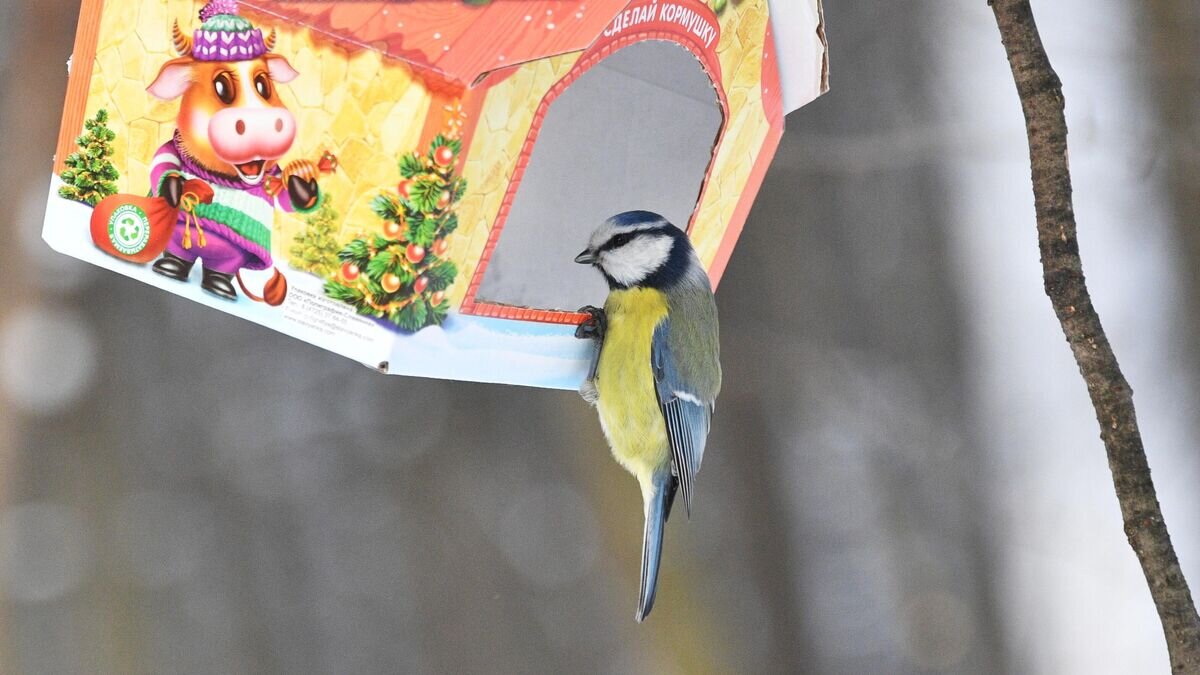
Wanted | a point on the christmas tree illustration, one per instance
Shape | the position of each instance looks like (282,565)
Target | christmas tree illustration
(90,175)
(400,274)
(315,248)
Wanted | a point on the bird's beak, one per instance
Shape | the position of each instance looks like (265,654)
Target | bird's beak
(586,258)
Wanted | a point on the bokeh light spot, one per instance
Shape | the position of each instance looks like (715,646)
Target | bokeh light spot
(47,359)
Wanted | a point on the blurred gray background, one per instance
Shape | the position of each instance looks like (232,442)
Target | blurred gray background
(904,476)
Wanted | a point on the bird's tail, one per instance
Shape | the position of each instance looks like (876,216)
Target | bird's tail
(658,507)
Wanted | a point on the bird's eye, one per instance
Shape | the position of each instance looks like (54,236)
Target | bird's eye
(622,239)
(223,86)
(262,84)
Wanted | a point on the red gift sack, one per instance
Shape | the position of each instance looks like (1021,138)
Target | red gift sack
(138,229)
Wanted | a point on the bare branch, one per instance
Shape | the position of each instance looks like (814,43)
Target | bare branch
(1042,101)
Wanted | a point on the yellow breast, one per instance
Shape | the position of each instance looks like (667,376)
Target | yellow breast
(628,406)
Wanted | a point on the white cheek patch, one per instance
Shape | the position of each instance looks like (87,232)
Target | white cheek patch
(633,262)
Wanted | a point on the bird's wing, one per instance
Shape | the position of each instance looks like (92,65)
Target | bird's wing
(686,410)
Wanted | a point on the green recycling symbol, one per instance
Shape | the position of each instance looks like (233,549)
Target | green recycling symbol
(128,229)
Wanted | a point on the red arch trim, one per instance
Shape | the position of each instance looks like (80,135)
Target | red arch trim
(601,50)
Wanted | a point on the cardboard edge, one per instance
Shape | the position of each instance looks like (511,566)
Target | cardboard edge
(824,45)
(799,35)
(83,250)
(79,79)
(741,212)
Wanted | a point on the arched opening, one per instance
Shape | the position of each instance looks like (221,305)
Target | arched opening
(636,131)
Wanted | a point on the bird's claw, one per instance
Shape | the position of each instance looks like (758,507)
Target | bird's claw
(592,327)
(589,392)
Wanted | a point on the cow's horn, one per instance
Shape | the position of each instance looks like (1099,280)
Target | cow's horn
(270,41)
(182,43)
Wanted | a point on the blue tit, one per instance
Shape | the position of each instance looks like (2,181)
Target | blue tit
(656,371)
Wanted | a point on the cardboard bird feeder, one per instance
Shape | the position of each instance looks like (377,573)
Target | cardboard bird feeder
(406,182)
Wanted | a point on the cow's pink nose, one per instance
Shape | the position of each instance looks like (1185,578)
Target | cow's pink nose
(243,134)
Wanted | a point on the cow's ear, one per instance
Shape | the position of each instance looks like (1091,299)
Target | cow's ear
(173,79)
(281,71)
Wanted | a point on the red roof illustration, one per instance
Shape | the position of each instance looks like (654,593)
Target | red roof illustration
(451,38)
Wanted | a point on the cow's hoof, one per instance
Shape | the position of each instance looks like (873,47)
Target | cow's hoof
(219,284)
(304,192)
(173,266)
(172,189)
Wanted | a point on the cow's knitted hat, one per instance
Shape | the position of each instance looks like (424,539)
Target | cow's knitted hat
(224,35)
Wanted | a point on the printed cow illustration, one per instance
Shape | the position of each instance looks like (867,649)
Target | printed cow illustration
(231,132)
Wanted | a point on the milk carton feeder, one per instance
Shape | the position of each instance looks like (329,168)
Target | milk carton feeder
(407,183)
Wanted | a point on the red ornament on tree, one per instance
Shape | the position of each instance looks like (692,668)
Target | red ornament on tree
(350,271)
(444,156)
(396,277)
(414,253)
(390,282)
(393,230)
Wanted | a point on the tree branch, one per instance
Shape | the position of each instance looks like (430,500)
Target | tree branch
(1041,97)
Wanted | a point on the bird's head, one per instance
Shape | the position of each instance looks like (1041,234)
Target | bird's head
(640,249)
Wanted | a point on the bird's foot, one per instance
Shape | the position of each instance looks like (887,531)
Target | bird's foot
(592,327)
(589,392)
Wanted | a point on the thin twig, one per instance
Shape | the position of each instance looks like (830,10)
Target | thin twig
(1041,99)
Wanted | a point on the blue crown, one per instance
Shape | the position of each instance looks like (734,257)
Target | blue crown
(635,218)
